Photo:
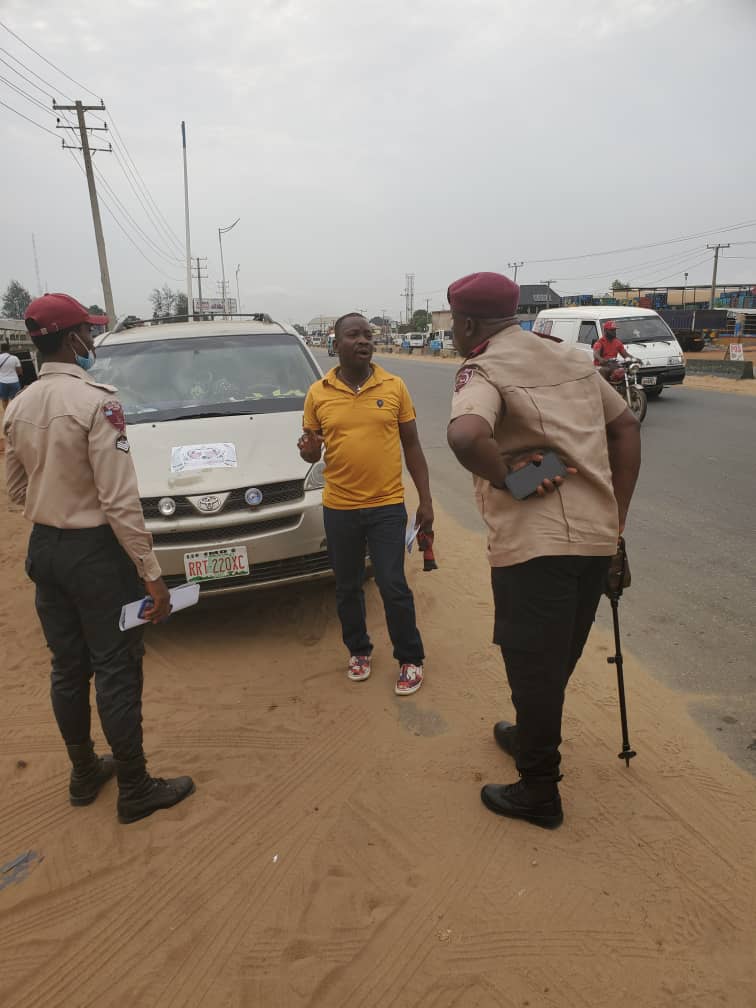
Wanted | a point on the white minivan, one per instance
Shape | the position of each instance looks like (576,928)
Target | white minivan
(214,410)
(646,336)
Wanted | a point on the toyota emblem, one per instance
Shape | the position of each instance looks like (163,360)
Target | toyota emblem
(210,504)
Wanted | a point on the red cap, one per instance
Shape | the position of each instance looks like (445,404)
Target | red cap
(53,313)
(610,326)
(484,295)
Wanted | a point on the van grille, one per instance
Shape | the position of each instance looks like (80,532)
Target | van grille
(272,493)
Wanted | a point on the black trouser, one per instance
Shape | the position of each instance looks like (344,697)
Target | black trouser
(382,530)
(83,578)
(544,612)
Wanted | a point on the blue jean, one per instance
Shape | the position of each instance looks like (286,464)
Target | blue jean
(9,390)
(382,531)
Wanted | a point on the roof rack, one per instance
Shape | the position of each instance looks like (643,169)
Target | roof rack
(130,322)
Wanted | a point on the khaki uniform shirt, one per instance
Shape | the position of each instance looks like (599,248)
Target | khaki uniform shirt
(538,394)
(67,460)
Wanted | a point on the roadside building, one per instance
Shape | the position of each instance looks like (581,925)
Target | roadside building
(536,297)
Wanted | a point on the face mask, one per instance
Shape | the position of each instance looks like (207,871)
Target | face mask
(87,362)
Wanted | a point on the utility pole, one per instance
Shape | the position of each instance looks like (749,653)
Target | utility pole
(200,277)
(548,284)
(715,249)
(36,268)
(80,111)
(238,296)
(685,288)
(221,232)
(188,239)
(515,266)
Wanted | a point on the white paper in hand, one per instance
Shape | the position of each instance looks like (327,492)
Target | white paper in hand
(412,531)
(181,598)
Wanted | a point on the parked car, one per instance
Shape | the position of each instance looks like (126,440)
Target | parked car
(645,335)
(214,410)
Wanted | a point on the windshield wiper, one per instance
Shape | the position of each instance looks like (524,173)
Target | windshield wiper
(206,414)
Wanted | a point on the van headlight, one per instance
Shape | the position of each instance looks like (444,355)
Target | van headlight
(315,479)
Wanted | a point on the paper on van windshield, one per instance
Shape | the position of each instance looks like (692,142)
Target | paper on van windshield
(189,458)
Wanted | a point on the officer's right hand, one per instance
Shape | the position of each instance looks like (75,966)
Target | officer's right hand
(548,485)
(160,609)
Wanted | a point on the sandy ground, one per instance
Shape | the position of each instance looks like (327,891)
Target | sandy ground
(336,852)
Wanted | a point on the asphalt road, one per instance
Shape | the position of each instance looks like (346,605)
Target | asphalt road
(690,614)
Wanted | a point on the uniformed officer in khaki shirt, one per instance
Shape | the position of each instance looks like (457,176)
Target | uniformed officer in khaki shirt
(68,463)
(516,396)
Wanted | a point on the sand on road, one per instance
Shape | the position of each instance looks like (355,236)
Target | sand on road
(336,852)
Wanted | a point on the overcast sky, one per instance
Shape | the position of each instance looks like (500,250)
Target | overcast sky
(361,141)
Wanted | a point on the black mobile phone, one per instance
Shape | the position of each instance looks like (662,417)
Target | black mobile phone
(525,481)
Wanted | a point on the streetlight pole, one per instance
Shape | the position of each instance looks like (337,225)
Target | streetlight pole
(515,266)
(685,289)
(238,298)
(221,232)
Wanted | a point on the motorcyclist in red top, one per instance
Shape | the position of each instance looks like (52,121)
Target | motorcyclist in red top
(608,348)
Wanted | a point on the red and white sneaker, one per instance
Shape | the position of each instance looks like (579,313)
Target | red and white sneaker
(359,668)
(410,680)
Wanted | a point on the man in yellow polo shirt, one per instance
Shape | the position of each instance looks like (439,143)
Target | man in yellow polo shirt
(364,417)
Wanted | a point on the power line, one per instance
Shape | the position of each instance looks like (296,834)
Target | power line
(131,179)
(38,125)
(148,194)
(143,254)
(171,235)
(637,248)
(49,62)
(25,94)
(32,72)
(664,260)
(156,248)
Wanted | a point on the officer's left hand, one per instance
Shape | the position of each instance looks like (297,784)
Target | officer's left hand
(424,517)
(160,609)
(548,485)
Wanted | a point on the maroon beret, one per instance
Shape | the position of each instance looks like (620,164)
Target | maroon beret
(484,295)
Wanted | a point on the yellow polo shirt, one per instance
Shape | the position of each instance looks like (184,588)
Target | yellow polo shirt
(361,432)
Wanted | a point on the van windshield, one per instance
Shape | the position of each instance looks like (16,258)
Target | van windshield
(645,329)
(177,379)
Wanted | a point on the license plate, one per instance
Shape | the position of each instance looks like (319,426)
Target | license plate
(210,565)
(648,381)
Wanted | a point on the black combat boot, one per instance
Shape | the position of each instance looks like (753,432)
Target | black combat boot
(89,773)
(139,795)
(535,801)
(505,734)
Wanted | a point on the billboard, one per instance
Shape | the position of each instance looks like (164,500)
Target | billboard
(213,305)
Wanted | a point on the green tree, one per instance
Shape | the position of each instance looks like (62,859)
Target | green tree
(618,285)
(300,329)
(421,320)
(94,309)
(182,304)
(16,300)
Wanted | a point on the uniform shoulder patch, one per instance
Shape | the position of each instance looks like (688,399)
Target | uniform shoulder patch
(113,412)
(463,377)
(101,385)
(122,443)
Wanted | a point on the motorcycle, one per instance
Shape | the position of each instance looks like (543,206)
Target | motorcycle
(622,375)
